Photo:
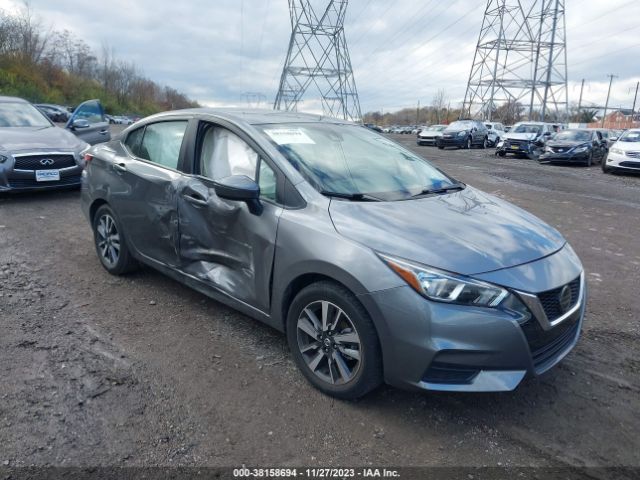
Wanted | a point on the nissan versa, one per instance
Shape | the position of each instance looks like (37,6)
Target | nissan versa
(377,265)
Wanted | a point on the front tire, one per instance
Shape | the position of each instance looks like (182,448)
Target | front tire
(110,243)
(590,159)
(485,143)
(333,341)
(469,144)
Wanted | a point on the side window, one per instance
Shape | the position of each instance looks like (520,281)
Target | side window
(90,111)
(133,141)
(267,181)
(223,154)
(162,141)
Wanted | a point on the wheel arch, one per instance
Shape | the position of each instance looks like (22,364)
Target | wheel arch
(95,205)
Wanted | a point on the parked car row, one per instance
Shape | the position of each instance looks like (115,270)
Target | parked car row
(615,150)
(119,119)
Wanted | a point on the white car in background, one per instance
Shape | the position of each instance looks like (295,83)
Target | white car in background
(430,135)
(625,153)
(496,132)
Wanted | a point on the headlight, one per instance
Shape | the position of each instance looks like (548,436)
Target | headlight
(462,134)
(617,151)
(548,149)
(500,144)
(446,287)
(581,149)
(3,158)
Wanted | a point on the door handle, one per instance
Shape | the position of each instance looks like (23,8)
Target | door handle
(119,167)
(104,132)
(196,199)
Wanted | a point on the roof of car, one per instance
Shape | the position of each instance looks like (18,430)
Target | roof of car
(12,100)
(256,116)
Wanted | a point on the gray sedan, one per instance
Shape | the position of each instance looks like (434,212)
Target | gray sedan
(37,155)
(376,265)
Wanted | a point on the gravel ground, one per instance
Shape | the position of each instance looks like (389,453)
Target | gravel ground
(138,371)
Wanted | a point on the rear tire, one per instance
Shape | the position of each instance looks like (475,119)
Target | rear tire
(110,242)
(501,154)
(469,144)
(341,355)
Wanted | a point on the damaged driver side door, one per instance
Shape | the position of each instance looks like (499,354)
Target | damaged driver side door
(222,243)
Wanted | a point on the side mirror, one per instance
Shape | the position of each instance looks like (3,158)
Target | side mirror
(240,188)
(80,123)
(547,134)
(613,139)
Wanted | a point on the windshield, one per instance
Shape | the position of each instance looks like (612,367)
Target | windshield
(18,114)
(461,125)
(527,128)
(630,136)
(574,136)
(350,160)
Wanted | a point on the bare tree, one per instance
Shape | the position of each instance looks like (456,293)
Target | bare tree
(439,104)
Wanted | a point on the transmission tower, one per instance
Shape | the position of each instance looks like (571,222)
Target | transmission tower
(520,61)
(318,58)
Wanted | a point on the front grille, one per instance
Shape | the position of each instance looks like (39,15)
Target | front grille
(51,162)
(550,300)
(633,154)
(71,180)
(546,345)
(630,164)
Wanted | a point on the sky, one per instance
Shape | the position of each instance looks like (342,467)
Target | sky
(402,51)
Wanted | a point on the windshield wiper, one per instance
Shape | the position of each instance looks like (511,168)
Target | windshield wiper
(354,197)
(448,188)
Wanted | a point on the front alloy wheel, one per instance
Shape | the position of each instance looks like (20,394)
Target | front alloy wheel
(469,143)
(329,342)
(333,341)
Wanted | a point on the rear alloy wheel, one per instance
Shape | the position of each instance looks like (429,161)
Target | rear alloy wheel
(110,245)
(333,341)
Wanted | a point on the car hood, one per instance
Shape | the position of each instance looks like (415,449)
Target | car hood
(627,146)
(453,132)
(565,143)
(430,133)
(467,232)
(521,136)
(16,139)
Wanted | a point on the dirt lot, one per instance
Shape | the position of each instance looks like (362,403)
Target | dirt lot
(98,370)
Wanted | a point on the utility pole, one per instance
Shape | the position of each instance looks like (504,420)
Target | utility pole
(635,98)
(418,113)
(606,105)
(520,59)
(318,58)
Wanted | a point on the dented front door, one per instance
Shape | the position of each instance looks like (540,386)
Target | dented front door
(226,246)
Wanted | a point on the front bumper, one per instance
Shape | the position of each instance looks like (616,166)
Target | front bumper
(565,157)
(623,162)
(427,140)
(15,177)
(520,147)
(436,346)
(455,141)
